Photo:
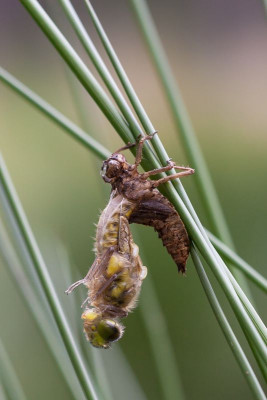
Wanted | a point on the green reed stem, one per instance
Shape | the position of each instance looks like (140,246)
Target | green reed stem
(227,330)
(37,259)
(43,320)
(239,263)
(8,377)
(52,113)
(137,105)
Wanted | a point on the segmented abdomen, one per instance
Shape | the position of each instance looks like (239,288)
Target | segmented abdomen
(159,213)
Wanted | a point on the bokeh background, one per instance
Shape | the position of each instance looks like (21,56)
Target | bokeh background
(218,54)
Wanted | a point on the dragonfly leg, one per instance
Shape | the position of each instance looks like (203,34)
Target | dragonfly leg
(186,171)
(139,150)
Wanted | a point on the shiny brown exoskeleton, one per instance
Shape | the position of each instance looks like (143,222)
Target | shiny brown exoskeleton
(149,206)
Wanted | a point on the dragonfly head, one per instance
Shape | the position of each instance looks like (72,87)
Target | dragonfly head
(101,332)
(113,167)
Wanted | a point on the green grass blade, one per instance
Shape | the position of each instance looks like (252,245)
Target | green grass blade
(43,320)
(56,116)
(231,256)
(8,377)
(47,284)
(100,65)
(139,109)
(227,330)
(78,67)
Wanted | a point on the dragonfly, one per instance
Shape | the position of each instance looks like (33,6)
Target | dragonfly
(115,278)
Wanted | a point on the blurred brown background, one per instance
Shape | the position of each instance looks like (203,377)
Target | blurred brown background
(218,54)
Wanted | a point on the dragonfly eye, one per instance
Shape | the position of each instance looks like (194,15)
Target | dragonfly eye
(109,330)
(104,170)
(111,169)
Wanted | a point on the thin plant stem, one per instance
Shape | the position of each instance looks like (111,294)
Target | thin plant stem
(242,265)
(137,105)
(56,308)
(227,330)
(55,115)
(9,377)
(38,311)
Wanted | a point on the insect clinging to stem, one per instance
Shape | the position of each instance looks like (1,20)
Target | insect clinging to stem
(114,280)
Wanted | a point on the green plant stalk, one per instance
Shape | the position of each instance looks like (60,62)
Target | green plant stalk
(242,265)
(58,313)
(38,311)
(56,116)
(216,263)
(100,65)
(137,105)
(8,376)
(227,330)
(78,67)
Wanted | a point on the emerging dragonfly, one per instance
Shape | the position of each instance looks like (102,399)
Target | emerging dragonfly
(114,280)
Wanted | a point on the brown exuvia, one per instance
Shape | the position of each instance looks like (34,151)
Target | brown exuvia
(147,206)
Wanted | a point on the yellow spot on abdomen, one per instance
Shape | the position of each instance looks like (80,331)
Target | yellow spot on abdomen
(114,265)
(89,315)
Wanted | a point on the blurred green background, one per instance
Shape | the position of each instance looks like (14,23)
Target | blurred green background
(218,53)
